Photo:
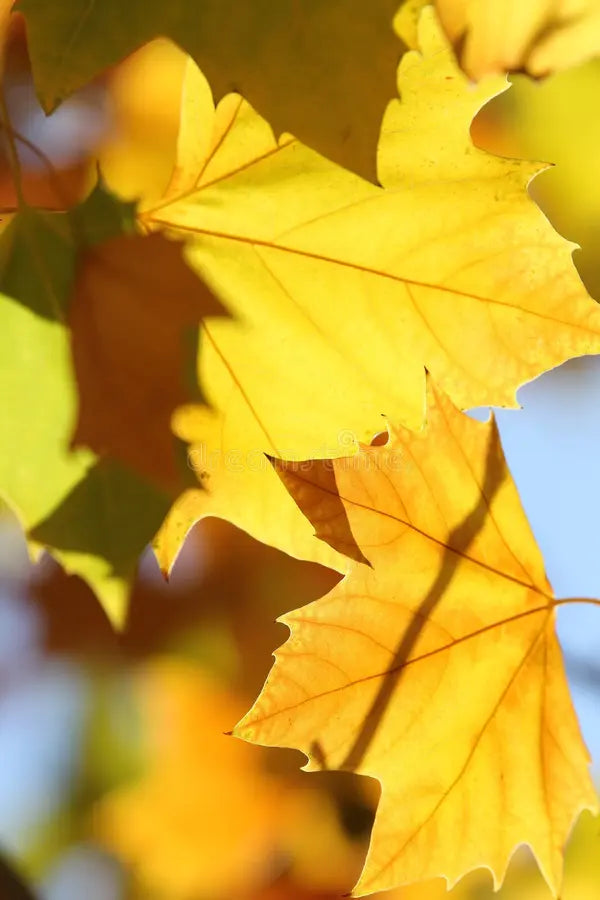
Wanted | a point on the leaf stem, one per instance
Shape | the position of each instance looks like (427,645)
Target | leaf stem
(13,154)
(53,173)
(589,600)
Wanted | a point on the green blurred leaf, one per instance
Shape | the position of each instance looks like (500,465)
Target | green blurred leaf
(321,69)
(94,517)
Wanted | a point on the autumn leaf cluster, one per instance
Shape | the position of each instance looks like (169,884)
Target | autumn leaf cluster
(286,336)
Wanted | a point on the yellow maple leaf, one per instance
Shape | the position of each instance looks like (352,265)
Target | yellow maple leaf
(434,666)
(539,36)
(334,281)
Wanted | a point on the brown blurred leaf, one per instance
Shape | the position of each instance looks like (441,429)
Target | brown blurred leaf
(134,298)
(11,886)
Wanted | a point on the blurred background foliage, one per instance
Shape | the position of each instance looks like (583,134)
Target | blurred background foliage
(117,778)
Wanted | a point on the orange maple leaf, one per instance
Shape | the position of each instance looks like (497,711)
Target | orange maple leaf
(203,834)
(434,665)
